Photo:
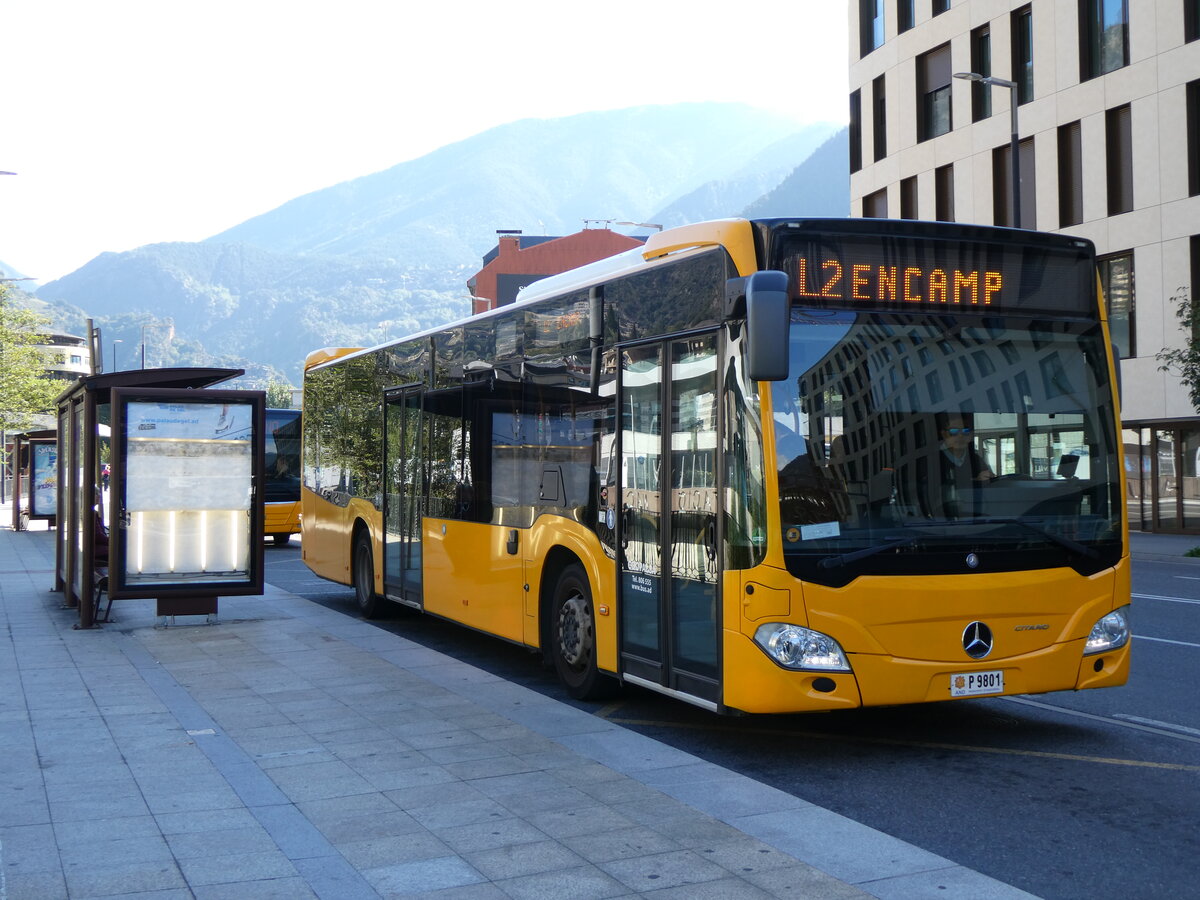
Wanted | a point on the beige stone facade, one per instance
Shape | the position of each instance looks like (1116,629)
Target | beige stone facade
(1140,60)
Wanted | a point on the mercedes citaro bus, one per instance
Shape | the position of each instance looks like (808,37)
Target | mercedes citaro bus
(762,466)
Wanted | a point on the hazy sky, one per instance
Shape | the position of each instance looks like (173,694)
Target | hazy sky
(130,122)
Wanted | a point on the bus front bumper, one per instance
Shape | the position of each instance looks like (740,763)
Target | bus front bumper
(762,686)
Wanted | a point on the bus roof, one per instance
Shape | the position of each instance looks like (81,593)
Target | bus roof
(327,354)
(740,239)
(735,235)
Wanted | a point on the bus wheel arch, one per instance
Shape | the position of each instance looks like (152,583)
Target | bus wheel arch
(362,571)
(568,626)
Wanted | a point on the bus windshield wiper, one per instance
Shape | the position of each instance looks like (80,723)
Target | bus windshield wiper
(830,562)
(1067,543)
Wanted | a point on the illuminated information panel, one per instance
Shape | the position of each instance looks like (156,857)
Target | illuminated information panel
(189,513)
(892,283)
(1036,274)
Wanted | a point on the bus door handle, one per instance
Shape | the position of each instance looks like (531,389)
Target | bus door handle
(514,539)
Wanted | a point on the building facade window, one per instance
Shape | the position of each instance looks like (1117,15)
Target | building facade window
(1118,139)
(1191,20)
(1003,212)
(1194,281)
(904,15)
(879,117)
(940,6)
(1193,137)
(1116,280)
(1162,468)
(1028,185)
(1070,174)
(933,93)
(943,192)
(855,131)
(1022,52)
(875,206)
(870,25)
(908,198)
(981,62)
(1103,37)
(1002,195)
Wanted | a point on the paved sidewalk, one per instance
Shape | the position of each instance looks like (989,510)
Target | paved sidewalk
(290,752)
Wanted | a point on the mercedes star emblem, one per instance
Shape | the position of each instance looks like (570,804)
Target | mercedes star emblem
(977,640)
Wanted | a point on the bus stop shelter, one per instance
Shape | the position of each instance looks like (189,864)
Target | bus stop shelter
(176,409)
(34,485)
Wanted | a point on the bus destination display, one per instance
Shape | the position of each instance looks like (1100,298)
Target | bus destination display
(852,281)
(965,276)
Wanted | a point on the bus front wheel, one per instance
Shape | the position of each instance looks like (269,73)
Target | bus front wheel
(363,572)
(573,636)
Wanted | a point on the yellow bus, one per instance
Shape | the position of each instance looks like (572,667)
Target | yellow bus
(281,508)
(761,466)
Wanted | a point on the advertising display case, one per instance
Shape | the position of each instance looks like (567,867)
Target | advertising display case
(43,479)
(187,510)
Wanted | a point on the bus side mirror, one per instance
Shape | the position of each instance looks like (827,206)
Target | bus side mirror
(768,314)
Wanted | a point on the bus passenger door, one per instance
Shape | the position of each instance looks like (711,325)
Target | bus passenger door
(668,559)
(402,497)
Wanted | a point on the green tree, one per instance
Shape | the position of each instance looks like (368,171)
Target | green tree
(279,395)
(1185,361)
(24,390)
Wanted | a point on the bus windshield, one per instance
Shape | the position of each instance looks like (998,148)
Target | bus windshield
(909,442)
(282,456)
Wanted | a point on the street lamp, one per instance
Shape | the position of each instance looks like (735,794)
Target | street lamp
(115,342)
(990,81)
(3,436)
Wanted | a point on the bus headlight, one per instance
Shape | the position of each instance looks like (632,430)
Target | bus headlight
(801,648)
(1111,632)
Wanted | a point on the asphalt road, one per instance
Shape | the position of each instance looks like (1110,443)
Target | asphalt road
(1067,795)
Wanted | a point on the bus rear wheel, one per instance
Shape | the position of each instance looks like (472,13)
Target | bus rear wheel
(363,576)
(573,637)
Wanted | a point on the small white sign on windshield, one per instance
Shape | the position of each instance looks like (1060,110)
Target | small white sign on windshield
(820,530)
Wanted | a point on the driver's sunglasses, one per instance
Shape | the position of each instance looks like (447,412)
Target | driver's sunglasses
(958,431)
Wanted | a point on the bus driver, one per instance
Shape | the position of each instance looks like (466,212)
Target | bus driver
(962,468)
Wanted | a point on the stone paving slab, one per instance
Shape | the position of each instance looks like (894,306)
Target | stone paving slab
(292,752)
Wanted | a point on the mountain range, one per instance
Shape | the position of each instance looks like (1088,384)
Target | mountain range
(390,253)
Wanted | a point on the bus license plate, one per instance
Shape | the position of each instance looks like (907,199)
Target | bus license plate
(969,684)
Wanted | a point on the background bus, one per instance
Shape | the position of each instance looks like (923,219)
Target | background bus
(281,513)
(718,466)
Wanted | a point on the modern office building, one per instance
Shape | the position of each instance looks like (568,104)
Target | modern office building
(1107,135)
(67,356)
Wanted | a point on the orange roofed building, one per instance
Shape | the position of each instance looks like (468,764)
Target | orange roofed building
(518,260)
